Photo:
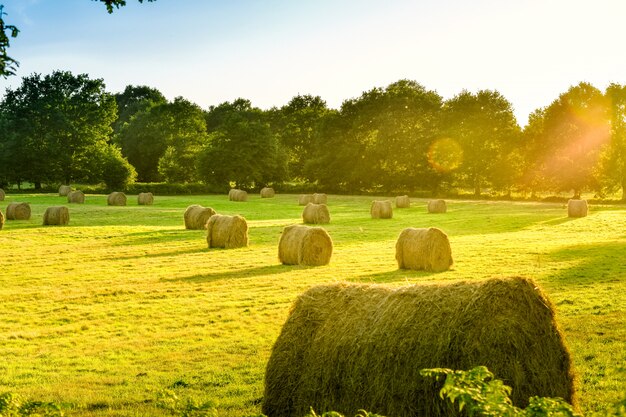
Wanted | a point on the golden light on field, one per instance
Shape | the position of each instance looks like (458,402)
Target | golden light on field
(445,155)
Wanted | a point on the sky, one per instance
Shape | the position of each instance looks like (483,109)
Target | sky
(268,51)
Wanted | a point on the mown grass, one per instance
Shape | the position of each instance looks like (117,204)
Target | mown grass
(123,303)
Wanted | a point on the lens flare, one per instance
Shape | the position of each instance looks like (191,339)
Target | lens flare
(445,155)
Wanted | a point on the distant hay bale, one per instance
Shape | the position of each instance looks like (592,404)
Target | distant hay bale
(145,199)
(316,214)
(577,208)
(227,232)
(76,197)
(381,209)
(423,249)
(116,199)
(1,220)
(56,216)
(403,201)
(2,194)
(346,347)
(437,206)
(196,217)
(18,211)
(267,192)
(319,198)
(304,199)
(237,195)
(64,190)
(304,245)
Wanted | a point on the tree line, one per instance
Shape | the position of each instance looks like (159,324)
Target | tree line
(62,128)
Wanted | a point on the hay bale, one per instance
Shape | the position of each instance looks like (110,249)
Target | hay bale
(267,192)
(2,194)
(56,216)
(1,220)
(237,195)
(577,208)
(403,201)
(196,217)
(381,209)
(227,232)
(346,347)
(64,190)
(319,198)
(116,199)
(304,245)
(304,199)
(423,249)
(18,211)
(437,206)
(145,199)
(316,214)
(77,197)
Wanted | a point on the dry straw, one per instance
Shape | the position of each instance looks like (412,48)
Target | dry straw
(320,198)
(316,214)
(56,216)
(403,201)
(577,208)
(197,216)
(145,199)
(423,249)
(2,194)
(64,190)
(1,220)
(76,197)
(116,199)
(437,206)
(304,245)
(237,195)
(347,347)
(381,209)
(227,232)
(305,199)
(267,192)
(18,211)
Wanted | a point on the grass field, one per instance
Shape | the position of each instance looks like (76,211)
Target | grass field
(103,314)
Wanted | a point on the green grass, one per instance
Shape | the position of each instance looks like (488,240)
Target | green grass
(103,314)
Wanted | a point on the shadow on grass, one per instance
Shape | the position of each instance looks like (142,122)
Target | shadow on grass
(239,273)
(163,254)
(397,275)
(160,236)
(597,262)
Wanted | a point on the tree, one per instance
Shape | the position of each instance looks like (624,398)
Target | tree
(614,157)
(135,99)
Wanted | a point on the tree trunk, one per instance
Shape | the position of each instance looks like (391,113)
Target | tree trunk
(623,187)
(576,194)
(476,187)
(37,185)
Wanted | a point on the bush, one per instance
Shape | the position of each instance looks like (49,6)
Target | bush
(117,172)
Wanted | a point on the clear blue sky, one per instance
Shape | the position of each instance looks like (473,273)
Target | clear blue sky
(270,50)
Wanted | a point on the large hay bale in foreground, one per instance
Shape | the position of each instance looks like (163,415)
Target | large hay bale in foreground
(18,211)
(304,199)
(237,195)
(423,249)
(56,216)
(227,232)
(116,199)
(316,214)
(145,199)
(267,192)
(577,208)
(381,209)
(77,197)
(304,245)
(347,347)
(196,216)
(437,206)
(2,194)
(64,190)
(320,198)
(403,201)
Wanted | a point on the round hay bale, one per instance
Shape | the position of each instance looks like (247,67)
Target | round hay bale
(346,347)
(227,232)
(237,195)
(196,217)
(316,214)
(77,197)
(116,199)
(304,245)
(423,249)
(267,192)
(64,190)
(403,201)
(381,209)
(145,199)
(18,211)
(320,198)
(437,206)
(1,220)
(56,216)
(304,199)
(577,208)
(2,194)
